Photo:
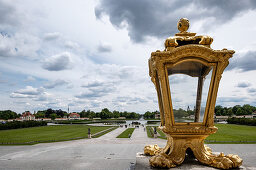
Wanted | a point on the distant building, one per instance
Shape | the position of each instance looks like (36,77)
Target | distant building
(245,116)
(44,119)
(27,116)
(74,116)
(122,118)
(157,116)
(191,116)
(84,118)
(61,119)
(18,119)
(220,118)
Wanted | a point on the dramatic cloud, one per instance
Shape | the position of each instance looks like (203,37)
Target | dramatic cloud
(57,58)
(52,36)
(58,62)
(157,18)
(55,83)
(104,47)
(28,92)
(243,84)
(244,63)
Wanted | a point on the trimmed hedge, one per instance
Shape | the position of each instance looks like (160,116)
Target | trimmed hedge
(153,121)
(242,121)
(24,124)
(89,121)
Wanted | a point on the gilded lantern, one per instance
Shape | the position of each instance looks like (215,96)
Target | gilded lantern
(186,76)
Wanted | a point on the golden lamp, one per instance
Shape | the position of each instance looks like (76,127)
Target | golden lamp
(186,76)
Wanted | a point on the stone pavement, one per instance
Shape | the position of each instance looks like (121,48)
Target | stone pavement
(104,153)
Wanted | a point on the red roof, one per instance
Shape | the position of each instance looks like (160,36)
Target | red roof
(27,114)
(74,115)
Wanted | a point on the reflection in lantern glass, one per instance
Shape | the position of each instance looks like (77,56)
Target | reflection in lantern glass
(189,84)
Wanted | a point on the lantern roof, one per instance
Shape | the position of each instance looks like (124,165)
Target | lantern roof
(186,38)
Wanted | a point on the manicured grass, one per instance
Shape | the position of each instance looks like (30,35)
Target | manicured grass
(47,134)
(150,132)
(104,132)
(125,134)
(227,133)
(161,133)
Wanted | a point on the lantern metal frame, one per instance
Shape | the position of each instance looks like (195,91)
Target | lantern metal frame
(183,47)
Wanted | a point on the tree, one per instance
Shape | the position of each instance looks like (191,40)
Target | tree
(239,111)
(235,108)
(116,114)
(180,113)
(8,114)
(247,109)
(53,116)
(60,113)
(149,115)
(49,112)
(230,112)
(218,110)
(105,113)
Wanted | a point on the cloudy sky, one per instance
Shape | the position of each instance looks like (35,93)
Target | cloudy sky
(93,54)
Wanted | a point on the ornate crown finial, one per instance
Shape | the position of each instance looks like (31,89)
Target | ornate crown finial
(183,25)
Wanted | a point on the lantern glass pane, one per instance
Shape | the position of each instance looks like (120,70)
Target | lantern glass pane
(189,84)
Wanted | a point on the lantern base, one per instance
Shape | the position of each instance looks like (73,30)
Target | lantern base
(177,146)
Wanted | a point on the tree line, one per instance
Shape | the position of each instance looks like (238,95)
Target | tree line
(237,110)
(53,114)
(179,113)
(106,113)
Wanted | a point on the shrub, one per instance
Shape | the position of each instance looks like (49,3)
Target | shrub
(153,121)
(242,121)
(24,124)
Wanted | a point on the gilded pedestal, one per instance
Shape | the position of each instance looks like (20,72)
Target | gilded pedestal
(177,146)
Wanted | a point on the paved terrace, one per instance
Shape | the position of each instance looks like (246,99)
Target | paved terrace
(104,153)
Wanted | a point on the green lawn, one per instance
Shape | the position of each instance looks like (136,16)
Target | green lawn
(150,132)
(125,134)
(227,133)
(47,134)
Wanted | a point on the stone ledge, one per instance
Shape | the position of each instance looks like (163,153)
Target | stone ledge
(142,163)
